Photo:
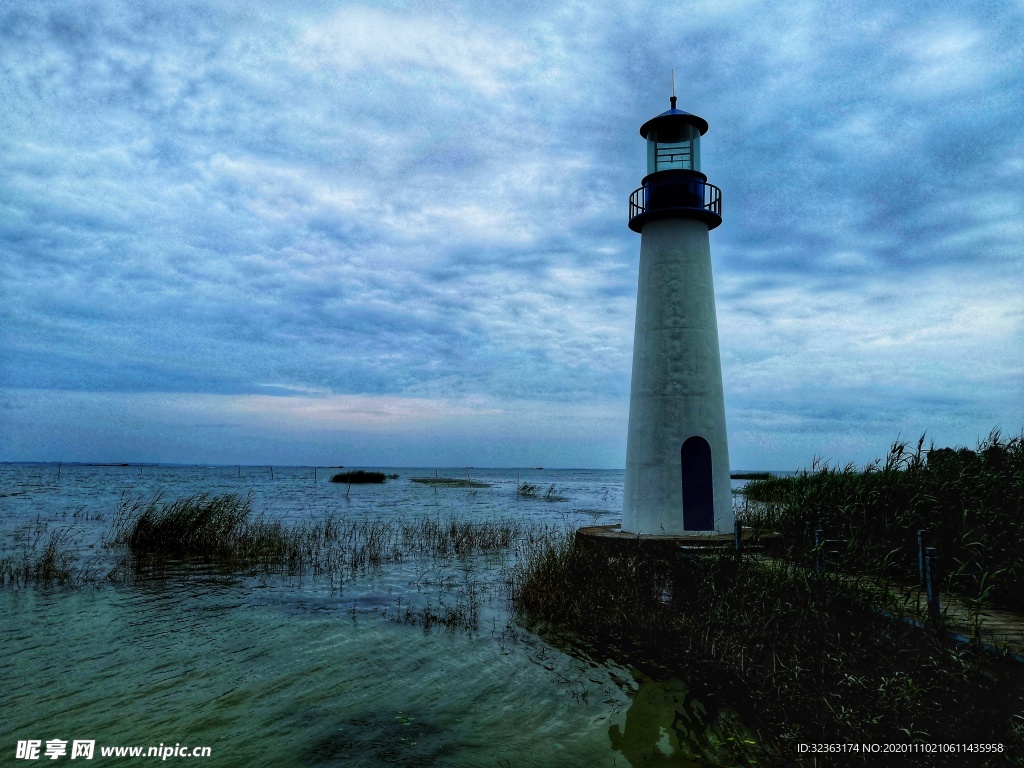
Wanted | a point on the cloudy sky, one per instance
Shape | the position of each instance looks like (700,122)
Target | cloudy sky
(395,233)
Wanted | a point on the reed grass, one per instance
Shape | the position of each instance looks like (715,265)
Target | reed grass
(971,502)
(49,557)
(49,561)
(533,491)
(225,531)
(807,652)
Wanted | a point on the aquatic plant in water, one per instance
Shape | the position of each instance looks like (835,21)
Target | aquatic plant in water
(224,530)
(532,491)
(450,482)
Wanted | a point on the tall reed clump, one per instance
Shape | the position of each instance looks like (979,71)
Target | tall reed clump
(805,651)
(971,502)
(223,530)
(202,526)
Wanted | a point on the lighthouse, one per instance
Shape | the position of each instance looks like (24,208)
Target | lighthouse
(677,453)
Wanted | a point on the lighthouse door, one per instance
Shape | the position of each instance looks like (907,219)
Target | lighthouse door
(698,494)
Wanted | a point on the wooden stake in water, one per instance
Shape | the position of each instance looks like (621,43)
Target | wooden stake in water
(58,469)
(314,475)
(239,470)
(518,484)
(140,470)
(271,473)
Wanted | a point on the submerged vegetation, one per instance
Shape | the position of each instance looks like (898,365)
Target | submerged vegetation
(450,482)
(970,502)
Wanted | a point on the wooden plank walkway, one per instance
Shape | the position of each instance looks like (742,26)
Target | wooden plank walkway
(999,630)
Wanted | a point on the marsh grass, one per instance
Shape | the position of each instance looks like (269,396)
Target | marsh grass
(533,491)
(460,611)
(223,530)
(44,561)
(971,502)
(807,652)
(49,557)
(360,477)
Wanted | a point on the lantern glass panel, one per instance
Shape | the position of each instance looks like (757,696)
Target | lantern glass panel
(673,148)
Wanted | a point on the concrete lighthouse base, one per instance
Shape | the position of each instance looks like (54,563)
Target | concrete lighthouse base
(677,452)
(612,539)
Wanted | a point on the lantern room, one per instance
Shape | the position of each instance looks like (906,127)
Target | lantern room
(673,147)
(673,140)
(675,186)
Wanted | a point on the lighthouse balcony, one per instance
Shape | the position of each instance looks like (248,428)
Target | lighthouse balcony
(675,194)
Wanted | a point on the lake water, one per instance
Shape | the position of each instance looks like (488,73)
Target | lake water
(282,670)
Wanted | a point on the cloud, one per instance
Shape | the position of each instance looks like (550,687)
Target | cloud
(411,49)
(412,210)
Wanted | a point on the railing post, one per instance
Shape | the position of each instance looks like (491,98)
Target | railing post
(931,589)
(921,536)
(738,536)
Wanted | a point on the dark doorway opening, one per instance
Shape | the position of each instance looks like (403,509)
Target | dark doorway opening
(698,493)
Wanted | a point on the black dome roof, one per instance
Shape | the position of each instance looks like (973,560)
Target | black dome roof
(672,119)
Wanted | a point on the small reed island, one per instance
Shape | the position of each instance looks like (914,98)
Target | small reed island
(361,477)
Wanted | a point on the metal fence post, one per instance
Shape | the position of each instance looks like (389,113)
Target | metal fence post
(931,589)
(738,536)
(921,537)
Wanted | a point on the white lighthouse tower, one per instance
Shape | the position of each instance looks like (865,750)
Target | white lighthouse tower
(677,454)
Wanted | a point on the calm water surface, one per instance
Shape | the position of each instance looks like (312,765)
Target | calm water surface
(281,671)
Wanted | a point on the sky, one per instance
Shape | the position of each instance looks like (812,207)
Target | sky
(395,234)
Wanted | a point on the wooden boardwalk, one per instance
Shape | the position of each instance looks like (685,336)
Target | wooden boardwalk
(998,630)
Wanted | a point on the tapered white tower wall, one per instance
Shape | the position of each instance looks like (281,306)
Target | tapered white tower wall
(677,453)
(677,380)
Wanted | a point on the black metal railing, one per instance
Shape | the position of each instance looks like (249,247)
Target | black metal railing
(700,193)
